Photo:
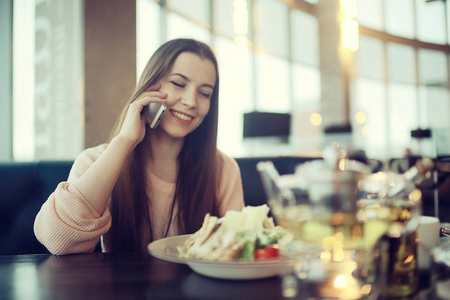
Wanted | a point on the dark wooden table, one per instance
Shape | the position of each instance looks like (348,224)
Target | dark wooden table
(118,276)
(123,276)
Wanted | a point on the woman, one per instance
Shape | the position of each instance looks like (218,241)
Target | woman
(148,184)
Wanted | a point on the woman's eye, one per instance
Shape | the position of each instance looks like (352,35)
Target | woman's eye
(206,95)
(177,84)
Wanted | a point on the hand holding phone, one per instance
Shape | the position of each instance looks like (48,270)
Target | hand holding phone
(153,113)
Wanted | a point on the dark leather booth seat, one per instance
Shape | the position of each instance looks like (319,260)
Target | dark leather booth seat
(25,186)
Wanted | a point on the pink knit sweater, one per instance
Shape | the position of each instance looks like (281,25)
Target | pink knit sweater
(67,223)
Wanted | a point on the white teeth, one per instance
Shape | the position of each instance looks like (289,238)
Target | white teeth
(182,116)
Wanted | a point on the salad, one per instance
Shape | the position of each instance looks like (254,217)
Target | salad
(247,235)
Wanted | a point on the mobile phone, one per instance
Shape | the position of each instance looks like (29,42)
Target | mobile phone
(153,113)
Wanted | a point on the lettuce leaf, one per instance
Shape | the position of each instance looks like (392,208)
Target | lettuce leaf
(248,253)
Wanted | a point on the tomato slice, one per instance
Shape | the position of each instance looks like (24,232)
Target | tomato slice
(270,251)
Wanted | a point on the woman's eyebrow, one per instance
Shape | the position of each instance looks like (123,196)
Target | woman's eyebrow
(181,75)
(187,79)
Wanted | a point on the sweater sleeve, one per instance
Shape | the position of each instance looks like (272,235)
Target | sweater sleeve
(66,222)
(231,194)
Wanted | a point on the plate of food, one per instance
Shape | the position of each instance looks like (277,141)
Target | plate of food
(241,245)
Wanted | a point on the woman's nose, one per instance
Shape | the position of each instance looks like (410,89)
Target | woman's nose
(189,99)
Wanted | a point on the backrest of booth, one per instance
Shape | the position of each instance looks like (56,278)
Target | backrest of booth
(25,186)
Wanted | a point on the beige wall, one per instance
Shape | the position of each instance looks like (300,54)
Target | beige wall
(110,64)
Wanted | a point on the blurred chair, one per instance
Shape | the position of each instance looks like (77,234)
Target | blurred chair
(375,165)
(435,190)
(400,165)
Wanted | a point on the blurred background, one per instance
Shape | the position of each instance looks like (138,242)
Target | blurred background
(295,75)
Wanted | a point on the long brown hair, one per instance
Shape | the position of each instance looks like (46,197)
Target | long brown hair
(195,191)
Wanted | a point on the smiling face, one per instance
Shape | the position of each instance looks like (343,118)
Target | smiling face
(189,85)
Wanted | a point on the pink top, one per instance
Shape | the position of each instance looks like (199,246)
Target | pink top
(67,223)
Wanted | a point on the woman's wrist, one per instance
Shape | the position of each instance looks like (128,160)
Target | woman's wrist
(124,143)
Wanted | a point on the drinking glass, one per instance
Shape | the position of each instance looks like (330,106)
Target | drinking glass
(445,229)
(399,272)
(334,227)
(440,268)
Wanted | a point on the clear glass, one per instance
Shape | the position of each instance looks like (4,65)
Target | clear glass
(400,18)
(235,96)
(195,10)
(369,98)
(272,81)
(398,263)
(401,63)
(445,230)
(370,58)
(370,14)
(402,117)
(440,268)
(179,27)
(270,26)
(147,32)
(435,114)
(448,23)
(334,229)
(23,75)
(223,17)
(433,67)
(305,136)
(304,38)
(431,21)
(442,141)
(435,107)
(306,87)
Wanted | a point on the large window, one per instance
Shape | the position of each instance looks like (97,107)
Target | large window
(431,22)
(236,96)
(47,109)
(274,71)
(399,83)
(273,56)
(408,77)
(369,99)
(399,18)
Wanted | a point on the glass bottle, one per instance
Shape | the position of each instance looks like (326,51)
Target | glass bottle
(398,247)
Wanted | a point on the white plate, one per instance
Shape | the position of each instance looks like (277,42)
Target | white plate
(166,249)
